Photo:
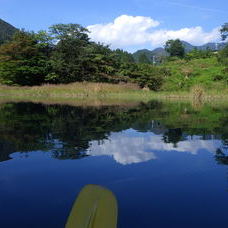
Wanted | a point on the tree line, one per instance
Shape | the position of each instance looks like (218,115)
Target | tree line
(65,54)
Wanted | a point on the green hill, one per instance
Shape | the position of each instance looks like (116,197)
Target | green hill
(6,31)
(160,52)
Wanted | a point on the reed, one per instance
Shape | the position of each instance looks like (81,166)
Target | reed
(198,92)
(114,93)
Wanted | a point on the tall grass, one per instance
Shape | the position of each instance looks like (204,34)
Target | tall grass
(72,90)
(101,93)
(197,92)
(83,91)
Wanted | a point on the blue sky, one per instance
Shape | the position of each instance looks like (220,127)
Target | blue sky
(162,19)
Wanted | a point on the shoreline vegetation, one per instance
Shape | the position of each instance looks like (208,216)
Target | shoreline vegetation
(64,65)
(98,94)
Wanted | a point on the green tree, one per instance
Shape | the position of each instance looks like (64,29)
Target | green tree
(223,54)
(224,31)
(76,58)
(124,56)
(147,75)
(199,54)
(68,57)
(175,48)
(24,60)
(102,63)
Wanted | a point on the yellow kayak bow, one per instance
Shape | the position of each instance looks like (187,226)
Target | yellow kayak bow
(95,207)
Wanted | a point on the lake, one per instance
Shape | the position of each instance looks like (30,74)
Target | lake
(166,163)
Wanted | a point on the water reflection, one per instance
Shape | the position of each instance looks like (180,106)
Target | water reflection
(125,148)
(131,147)
(129,135)
(152,157)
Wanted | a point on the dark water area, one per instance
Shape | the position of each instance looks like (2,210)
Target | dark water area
(166,163)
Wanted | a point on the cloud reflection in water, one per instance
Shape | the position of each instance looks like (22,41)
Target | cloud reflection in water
(130,146)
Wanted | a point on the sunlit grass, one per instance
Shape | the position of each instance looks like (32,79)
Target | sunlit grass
(101,93)
(186,74)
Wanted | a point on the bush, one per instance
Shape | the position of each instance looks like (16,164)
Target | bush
(218,77)
(225,71)
(199,54)
(223,56)
(150,76)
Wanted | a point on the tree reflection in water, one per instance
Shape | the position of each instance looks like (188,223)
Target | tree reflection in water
(67,132)
(221,155)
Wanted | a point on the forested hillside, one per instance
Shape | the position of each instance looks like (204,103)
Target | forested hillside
(65,54)
(6,31)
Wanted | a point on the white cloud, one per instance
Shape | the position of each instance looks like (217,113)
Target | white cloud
(127,31)
(124,31)
(194,35)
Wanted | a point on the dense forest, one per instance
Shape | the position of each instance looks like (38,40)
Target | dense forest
(65,54)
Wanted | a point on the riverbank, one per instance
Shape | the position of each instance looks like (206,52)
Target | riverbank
(103,93)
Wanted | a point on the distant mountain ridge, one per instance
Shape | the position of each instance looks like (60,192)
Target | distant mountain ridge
(160,52)
(211,46)
(6,31)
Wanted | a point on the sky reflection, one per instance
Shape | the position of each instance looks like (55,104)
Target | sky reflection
(128,147)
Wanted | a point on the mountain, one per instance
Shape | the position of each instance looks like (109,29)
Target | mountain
(187,46)
(160,52)
(147,52)
(211,46)
(6,31)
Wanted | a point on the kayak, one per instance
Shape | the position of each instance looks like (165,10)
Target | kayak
(95,207)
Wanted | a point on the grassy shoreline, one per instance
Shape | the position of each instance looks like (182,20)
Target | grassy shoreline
(102,93)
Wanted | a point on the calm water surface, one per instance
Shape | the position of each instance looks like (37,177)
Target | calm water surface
(166,163)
